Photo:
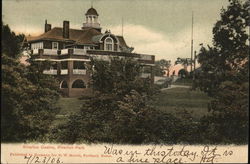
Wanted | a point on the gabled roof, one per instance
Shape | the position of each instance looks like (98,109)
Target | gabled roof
(80,36)
(84,36)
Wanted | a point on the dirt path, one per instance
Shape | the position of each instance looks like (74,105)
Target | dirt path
(175,86)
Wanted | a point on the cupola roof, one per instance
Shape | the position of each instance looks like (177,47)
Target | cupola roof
(92,11)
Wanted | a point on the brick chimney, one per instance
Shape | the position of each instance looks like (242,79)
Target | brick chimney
(65,29)
(47,26)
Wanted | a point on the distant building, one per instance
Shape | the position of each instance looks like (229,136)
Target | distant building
(70,50)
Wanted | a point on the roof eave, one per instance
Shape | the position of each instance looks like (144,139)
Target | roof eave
(50,39)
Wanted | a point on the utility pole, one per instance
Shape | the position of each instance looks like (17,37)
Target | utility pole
(195,57)
(122,26)
(192,43)
(193,87)
(194,65)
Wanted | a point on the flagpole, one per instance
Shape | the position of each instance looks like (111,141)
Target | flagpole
(192,43)
(122,26)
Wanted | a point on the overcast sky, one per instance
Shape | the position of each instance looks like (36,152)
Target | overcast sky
(158,27)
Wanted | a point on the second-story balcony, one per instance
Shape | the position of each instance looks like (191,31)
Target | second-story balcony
(45,52)
(50,72)
(147,57)
(50,52)
(69,51)
(73,51)
(79,71)
(145,75)
(64,71)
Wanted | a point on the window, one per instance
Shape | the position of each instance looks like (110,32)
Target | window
(53,65)
(64,65)
(54,45)
(78,65)
(38,45)
(108,44)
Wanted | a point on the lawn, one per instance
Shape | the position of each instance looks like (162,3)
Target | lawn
(182,81)
(177,99)
(171,100)
(68,106)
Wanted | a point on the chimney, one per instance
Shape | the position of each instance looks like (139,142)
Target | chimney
(66,29)
(47,27)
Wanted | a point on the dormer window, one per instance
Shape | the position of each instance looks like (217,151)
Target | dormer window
(54,45)
(109,44)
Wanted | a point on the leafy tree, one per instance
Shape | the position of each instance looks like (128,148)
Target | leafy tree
(11,43)
(118,113)
(103,118)
(183,61)
(161,67)
(224,75)
(119,76)
(28,96)
(14,91)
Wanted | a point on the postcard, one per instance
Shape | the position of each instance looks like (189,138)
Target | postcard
(133,81)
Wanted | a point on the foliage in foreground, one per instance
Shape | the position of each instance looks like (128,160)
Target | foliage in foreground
(27,96)
(104,118)
(118,112)
(224,76)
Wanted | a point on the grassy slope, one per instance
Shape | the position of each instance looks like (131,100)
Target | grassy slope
(68,106)
(171,100)
(177,99)
(180,81)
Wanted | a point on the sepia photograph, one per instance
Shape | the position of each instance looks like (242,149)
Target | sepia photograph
(124,72)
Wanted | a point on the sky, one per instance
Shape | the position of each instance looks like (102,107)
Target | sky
(156,27)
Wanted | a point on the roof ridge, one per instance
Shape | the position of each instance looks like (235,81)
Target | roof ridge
(70,29)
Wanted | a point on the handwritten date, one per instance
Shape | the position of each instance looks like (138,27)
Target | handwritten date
(42,160)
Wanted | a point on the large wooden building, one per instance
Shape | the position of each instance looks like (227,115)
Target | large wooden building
(71,49)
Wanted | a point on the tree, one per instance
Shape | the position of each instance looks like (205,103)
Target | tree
(28,96)
(118,113)
(11,43)
(183,61)
(224,75)
(161,67)
(119,76)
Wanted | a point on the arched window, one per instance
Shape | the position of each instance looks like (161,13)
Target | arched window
(78,84)
(109,44)
(64,84)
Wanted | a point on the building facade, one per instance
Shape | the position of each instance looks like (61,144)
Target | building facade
(71,49)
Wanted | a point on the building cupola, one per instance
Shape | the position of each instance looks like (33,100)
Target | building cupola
(92,11)
(92,19)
